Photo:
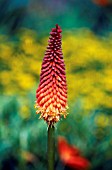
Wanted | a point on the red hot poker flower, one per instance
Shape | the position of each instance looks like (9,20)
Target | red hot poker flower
(51,94)
(70,155)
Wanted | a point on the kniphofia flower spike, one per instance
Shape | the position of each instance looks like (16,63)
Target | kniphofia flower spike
(51,94)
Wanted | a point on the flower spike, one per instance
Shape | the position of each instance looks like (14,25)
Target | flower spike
(51,94)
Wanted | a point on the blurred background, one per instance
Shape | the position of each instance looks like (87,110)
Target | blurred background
(87,49)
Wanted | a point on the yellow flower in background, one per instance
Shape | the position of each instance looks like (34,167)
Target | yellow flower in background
(6,50)
(34,68)
(5,78)
(107,80)
(17,63)
(102,120)
(25,81)
(28,41)
(24,112)
(107,101)
(29,45)
(72,87)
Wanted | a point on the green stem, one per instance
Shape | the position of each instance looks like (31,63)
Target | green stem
(51,147)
